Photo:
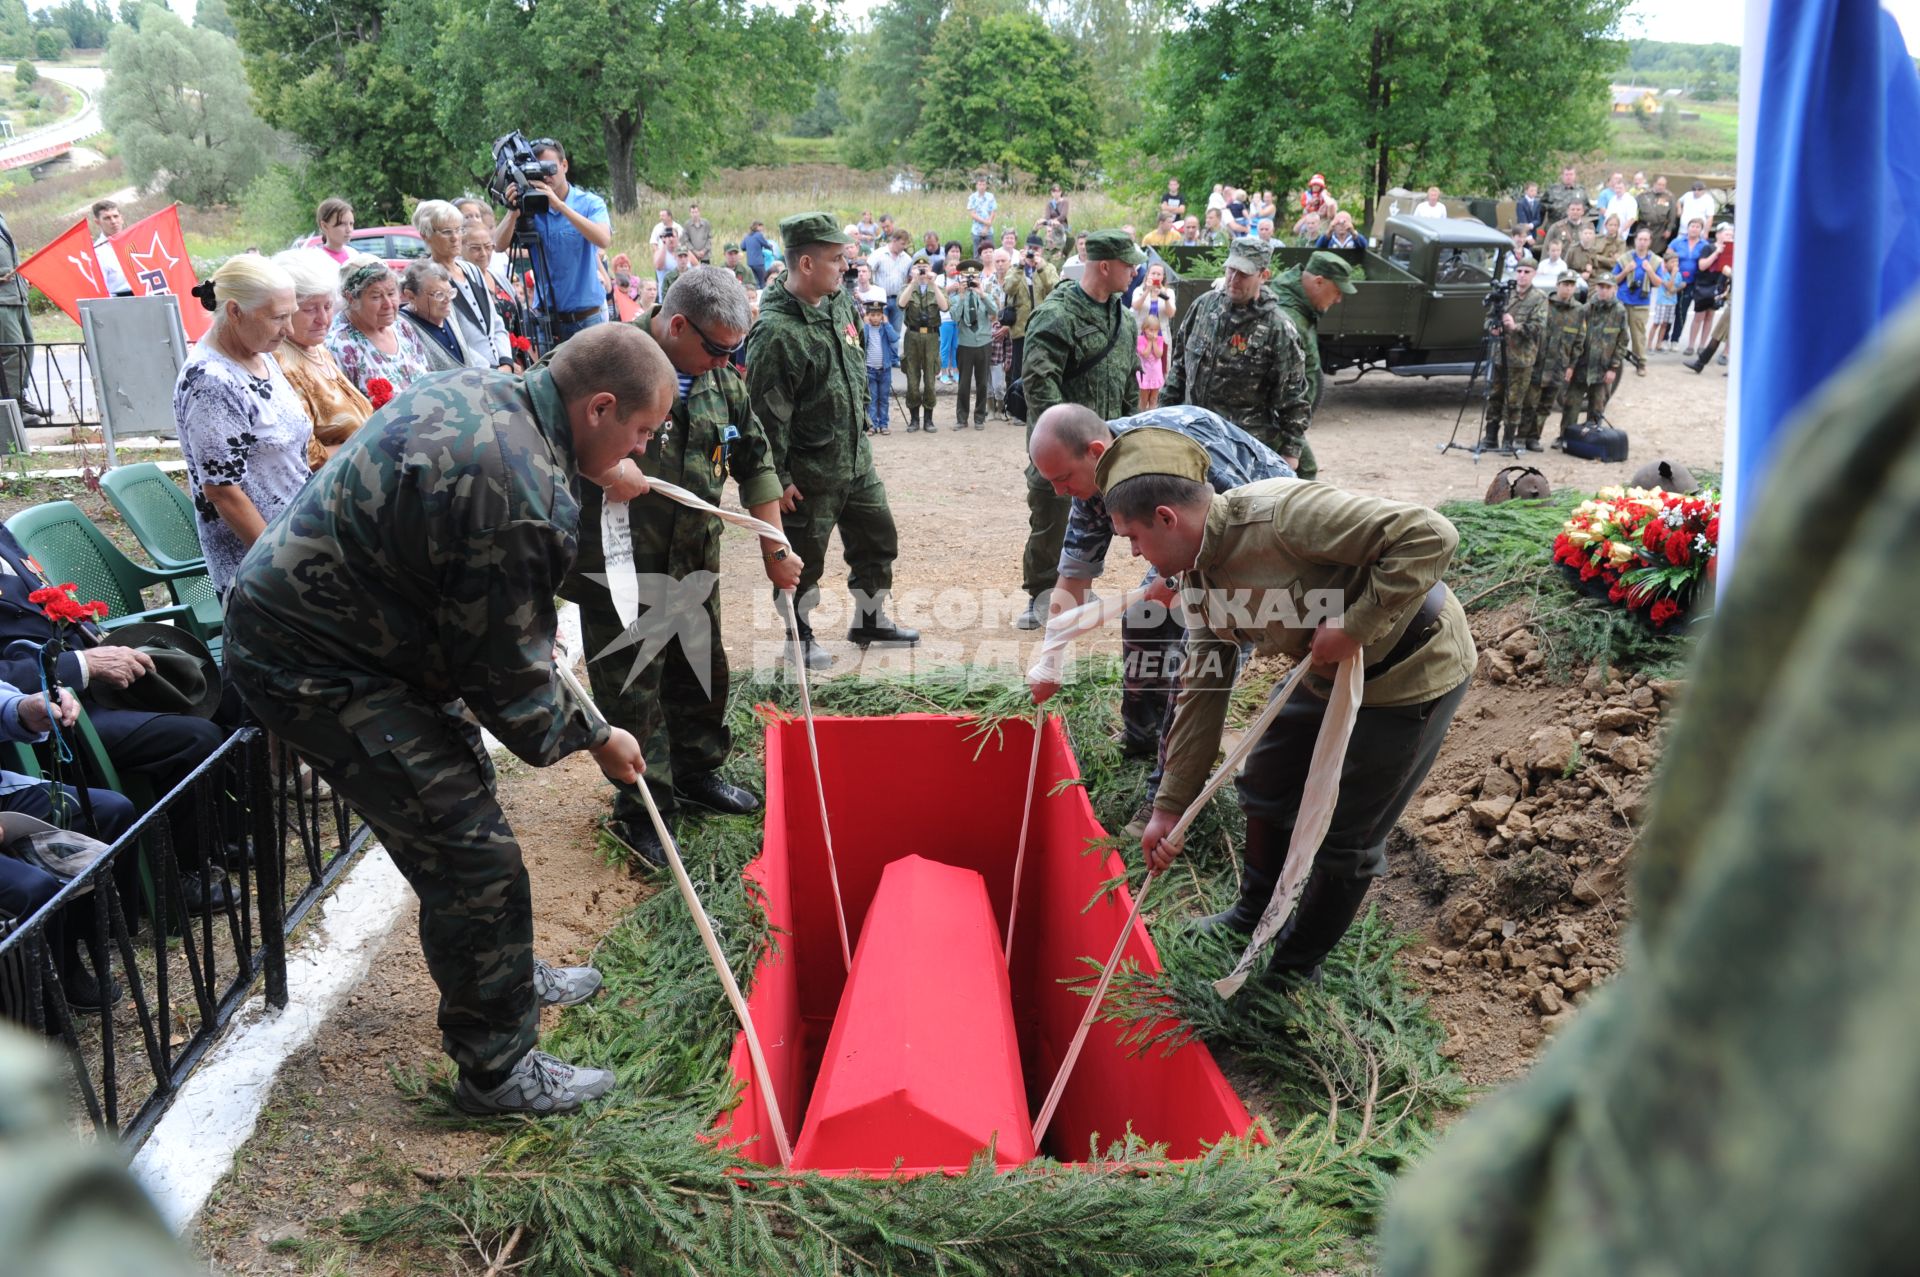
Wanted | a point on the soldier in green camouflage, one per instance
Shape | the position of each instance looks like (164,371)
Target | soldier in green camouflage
(1740,1099)
(1305,293)
(1560,347)
(676,703)
(1239,355)
(921,305)
(404,601)
(1589,382)
(807,382)
(1523,327)
(1079,349)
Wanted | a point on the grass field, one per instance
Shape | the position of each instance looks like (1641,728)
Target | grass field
(1709,144)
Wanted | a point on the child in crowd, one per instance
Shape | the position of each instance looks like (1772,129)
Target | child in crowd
(883,356)
(1665,296)
(1153,362)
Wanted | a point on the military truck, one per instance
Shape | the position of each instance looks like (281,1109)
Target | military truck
(1420,309)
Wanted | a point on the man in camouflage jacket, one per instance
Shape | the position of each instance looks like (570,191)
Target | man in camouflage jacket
(676,703)
(1523,327)
(1305,293)
(807,382)
(1239,354)
(1560,347)
(1080,348)
(1591,378)
(404,601)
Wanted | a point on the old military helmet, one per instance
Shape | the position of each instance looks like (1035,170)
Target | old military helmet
(1518,483)
(1668,476)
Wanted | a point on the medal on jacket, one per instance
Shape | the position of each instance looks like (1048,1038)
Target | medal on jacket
(616,542)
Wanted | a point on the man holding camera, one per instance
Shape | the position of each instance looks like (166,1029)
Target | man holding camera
(973,318)
(1523,324)
(807,383)
(574,230)
(921,305)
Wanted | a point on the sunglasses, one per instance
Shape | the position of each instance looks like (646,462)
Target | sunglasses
(710,346)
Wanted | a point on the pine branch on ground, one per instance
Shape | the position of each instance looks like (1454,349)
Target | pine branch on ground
(1348,1077)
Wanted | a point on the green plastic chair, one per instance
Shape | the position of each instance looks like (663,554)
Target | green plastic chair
(158,513)
(69,548)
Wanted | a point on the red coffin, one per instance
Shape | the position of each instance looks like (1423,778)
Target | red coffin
(912,785)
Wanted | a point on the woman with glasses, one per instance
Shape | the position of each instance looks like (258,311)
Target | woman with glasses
(482,330)
(334,405)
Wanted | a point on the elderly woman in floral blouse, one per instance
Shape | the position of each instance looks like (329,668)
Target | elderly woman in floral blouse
(334,405)
(368,339)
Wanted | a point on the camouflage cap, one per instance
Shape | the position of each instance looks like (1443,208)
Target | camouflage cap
(1113,246)
(811,228)
(1151,450)
(1332,268)
(1250,254)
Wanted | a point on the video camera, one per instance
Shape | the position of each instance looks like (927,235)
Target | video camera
(1498,298)
(514,165)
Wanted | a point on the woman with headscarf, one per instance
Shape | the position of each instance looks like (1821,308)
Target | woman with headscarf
(334,405)
(368,338)
(243,430)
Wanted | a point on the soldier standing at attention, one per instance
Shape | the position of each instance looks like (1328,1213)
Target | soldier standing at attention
(807,382)
(403,602)
(1240,355)
(1592,377)
(676,704)
(1279,551)
(1560,346)
(1305,293)
(1522,328)
(1079,349)
(921,305)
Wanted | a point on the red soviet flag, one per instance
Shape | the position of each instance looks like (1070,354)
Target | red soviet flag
(66,270)
(153,254)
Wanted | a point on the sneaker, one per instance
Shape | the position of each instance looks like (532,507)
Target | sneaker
(539,1084)
(563,986)
(1031,619)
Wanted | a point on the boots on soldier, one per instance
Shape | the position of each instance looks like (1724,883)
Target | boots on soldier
(1490,434)
(928,425)
(1706,357)
(1328,905)
(1261,859)
(913,421)
(870,624)
(816,658)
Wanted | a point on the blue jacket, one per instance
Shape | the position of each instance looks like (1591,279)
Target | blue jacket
(889,344)
(755,247)
(1326,241)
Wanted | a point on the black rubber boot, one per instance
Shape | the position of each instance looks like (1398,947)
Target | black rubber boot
(1328,905)
(1706,357)
(913,421)
(1261,859)
(816,658)
(1490,435)
(872,625)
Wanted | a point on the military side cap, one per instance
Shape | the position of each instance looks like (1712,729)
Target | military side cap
(1113,246)
(1333,269)
(1151,450)
(1250,254)
(811,228)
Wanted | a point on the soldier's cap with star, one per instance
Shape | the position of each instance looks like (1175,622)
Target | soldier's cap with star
(1604,281)
(1332,268)
(1113,246)
(1526,260)
(731,248)
(1151,450)
(1250,254)
(972,263)
(803,229)
(1568,278)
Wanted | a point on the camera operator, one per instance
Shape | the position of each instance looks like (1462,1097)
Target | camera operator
(573,232)
(1519,323)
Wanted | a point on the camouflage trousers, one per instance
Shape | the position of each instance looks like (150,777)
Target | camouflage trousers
(1541,399)
(420,775)
(679,718)
(1309,468)
(1047,513)
(1577,395)
(1508,391)
(920,357)
(869,541)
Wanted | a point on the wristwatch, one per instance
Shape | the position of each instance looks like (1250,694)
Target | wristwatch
(778,554)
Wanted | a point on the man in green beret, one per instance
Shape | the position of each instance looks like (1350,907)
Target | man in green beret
(1079,349)
(807,382)
(1305,293)
(1307,571)
(1239,355)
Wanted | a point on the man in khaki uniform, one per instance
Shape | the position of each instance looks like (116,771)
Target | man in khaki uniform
(1307,571)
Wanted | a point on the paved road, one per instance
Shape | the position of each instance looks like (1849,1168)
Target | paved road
(79,126)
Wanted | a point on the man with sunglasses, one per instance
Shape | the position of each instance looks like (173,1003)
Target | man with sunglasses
(573,232)
(675,704)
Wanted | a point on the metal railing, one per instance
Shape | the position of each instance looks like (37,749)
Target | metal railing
(181,975)
(55,375)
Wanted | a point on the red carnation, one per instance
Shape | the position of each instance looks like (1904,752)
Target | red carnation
(1588,572)
(379,391)
(520,344)
(1713,529)
(1663,611)
(1677,551)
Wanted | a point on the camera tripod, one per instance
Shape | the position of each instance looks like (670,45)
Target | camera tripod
(527,255)
(1492,349)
